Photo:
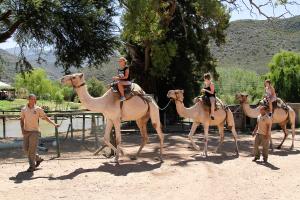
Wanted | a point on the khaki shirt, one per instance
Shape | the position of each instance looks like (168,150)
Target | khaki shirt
(31,117)
(263,122)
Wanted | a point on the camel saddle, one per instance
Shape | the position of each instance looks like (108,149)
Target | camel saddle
(206,102)
(129,91)
(279,103)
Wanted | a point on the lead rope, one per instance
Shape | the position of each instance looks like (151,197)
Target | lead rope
(166,105)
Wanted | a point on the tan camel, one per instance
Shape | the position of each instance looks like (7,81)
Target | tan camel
(280,116)
(200,114)
(134,108)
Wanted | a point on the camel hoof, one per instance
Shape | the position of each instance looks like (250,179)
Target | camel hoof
(133,157)
(196,147)
(279,147)
(159,159)
(116,160)
(292,147)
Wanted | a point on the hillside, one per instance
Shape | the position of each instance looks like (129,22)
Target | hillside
(252,43)
(9,57)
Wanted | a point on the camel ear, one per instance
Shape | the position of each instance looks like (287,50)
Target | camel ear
(81,75)
(182,91)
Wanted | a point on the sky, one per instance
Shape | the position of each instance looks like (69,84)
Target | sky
(241,13)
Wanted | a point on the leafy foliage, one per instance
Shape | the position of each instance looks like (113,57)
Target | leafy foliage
(285,75)
(38,83)
(96,88)
(79,31)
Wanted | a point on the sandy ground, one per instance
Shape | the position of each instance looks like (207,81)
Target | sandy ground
(184,174)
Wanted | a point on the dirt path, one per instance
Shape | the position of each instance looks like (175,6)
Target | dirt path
(184,174)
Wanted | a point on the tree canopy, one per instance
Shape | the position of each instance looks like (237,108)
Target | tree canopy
(79,31)
(168,42)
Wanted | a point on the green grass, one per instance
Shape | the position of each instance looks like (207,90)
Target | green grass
(17,104)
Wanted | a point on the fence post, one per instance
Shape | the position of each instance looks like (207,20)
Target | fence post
(57,139)
(83,127)
(71,121)
(4,126)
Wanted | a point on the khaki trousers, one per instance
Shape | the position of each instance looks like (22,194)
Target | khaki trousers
(30,143)
(264,142)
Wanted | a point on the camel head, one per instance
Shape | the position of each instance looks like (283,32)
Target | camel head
(176,95)
(242,98)
(75,80)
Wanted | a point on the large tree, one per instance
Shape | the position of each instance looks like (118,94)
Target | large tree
(80,32)
(168,40)
(178,53)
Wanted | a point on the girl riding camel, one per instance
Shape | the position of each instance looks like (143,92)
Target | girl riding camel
(270,95)
(209,91)
(123,77)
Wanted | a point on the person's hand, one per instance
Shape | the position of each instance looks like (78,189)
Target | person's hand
(115,78)
(57,125)
(253,134)
(203,90)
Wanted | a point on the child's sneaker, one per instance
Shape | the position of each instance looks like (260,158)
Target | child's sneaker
(122,99)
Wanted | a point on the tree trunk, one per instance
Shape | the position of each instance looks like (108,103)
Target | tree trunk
(147,55)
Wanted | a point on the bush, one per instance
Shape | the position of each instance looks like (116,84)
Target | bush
(285,75)
(96,88)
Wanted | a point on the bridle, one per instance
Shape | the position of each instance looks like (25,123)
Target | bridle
(177,98)
(76,87)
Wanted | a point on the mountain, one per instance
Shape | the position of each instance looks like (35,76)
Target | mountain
(250,44)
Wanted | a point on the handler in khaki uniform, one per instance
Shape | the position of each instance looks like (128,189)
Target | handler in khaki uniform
(263,126)
(30,115)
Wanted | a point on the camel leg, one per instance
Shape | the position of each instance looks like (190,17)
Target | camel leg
(283,126)
(206,127)
(117,125)
(109,125)
(192,132)
(292,117)
(234,133)
(221,132)
(155,120)
(142,124)
(293,136)
(161,140)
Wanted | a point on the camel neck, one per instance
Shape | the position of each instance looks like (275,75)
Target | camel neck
(91,103)
(250,112)
(183,111)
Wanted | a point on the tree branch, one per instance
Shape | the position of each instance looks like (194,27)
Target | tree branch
(5,15)
(7,34)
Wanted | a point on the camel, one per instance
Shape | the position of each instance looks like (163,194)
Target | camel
(135,108)
(280,116)
(200,114)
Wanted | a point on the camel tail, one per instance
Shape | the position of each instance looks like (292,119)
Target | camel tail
(154,114)
(229,118)
(292,115)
